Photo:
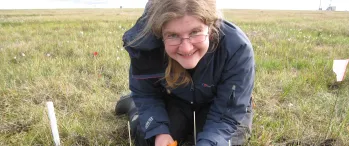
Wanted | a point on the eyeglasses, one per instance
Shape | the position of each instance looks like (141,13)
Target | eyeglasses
(192,39)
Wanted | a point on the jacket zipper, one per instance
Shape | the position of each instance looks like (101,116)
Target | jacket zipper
(192,89)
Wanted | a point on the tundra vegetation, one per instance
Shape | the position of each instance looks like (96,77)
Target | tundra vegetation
(76,59)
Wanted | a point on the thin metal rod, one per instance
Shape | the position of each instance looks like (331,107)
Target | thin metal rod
(194,129)
(129,132)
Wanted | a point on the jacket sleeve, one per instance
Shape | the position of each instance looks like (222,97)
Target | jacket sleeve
(147,96)
(233,99)
(146,70)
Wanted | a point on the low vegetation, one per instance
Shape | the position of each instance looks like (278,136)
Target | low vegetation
(75,58)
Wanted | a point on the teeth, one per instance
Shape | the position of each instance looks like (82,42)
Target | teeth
(188,54)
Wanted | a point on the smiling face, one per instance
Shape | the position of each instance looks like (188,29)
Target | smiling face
(186,40)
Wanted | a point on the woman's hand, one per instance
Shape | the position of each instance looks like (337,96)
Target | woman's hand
(163,140)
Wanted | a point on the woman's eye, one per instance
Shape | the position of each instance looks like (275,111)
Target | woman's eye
(194,33)
(172,36)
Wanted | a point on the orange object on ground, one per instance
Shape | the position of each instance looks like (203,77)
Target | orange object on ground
(173,144)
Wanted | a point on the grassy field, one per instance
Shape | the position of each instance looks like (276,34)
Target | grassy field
(48,55)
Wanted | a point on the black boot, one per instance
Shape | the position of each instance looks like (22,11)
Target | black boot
(124,105)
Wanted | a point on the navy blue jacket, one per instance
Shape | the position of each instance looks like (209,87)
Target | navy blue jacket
(224,77)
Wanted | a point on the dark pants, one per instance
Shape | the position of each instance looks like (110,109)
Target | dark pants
(182,124)
(181,115)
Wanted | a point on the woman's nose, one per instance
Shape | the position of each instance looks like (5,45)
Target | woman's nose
(185,46)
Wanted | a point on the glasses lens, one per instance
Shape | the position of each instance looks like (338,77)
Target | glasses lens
(197,38)
(193,39)
(173,42)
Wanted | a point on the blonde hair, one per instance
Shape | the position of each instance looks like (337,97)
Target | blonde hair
(162,11)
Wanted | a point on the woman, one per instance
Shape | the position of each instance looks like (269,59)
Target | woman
(187,63)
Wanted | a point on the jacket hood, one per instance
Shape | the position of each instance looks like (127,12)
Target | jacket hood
(146,43)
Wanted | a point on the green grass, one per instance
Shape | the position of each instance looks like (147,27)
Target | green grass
(48,55)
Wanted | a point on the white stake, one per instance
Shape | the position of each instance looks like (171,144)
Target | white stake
(53,122)
(194,129)
(129,132)
(229,143)
(339,67)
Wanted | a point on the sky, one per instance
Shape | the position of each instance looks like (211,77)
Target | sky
(341,5)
